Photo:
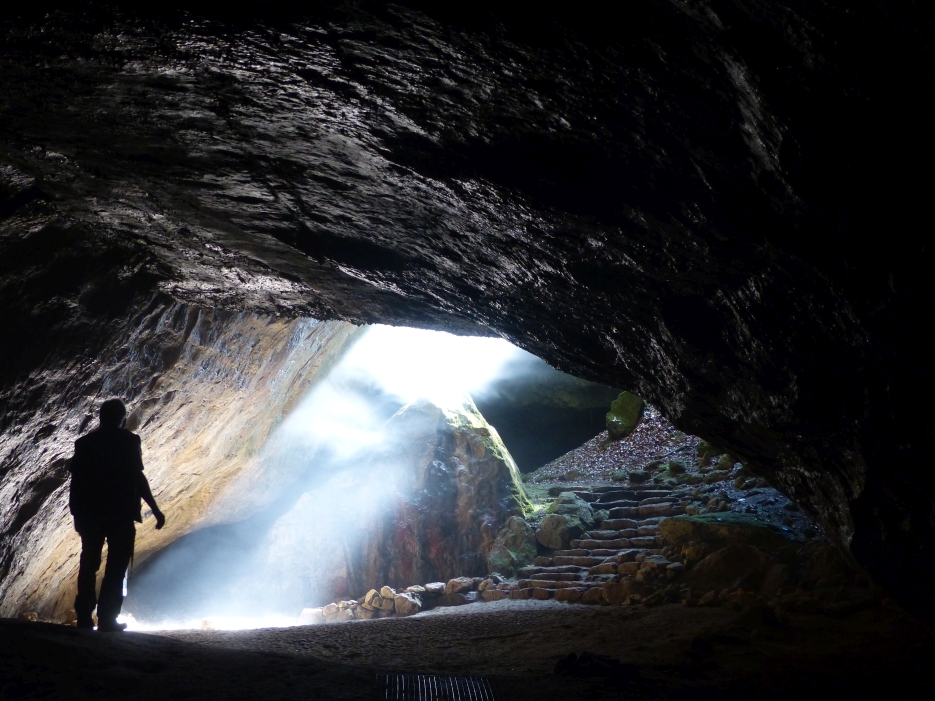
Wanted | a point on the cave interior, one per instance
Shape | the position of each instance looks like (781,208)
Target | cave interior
(715,205)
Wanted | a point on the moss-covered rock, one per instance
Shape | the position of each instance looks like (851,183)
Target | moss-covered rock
(567,517)
(556,530)
(625,413)
(707,451)
(675,471)
(514,547)
(725,462)
(724,529)
(577,511)
(676,467)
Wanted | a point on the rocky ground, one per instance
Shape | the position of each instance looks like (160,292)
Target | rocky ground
(529,649)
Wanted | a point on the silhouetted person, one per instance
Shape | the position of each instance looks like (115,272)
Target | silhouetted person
(107,482)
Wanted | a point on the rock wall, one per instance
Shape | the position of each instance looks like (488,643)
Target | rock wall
(715,205)
(204,388)
(461,486)
(427,507)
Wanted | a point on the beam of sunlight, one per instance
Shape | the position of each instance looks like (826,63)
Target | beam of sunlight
(331,466)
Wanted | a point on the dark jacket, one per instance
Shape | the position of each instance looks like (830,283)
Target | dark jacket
(105,477)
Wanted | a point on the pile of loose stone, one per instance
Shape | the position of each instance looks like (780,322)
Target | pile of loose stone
(389,602)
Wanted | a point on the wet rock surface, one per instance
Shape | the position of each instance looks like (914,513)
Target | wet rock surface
(715,208)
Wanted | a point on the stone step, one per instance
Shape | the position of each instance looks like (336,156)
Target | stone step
(617,535)
(632,554)
(558,576)
(610,505)
(619,524)
(602,569)
(585,561)
(648,493)
(574,552)
(651,521)
(618,544)
(655,500)
(608,552)
(616,495)
(625,512)
(545,584)
(643,542)
(663,509)
(601,535)
(527,572)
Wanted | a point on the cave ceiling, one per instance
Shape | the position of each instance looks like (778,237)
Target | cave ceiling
(715,204)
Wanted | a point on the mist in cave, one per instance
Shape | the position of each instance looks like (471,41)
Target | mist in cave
(326,465)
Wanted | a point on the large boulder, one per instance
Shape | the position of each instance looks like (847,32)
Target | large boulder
(456,488)
(732,567)
(625,413)
(555,531)
(515,547)
(574,508)
(726,528)
(567,517)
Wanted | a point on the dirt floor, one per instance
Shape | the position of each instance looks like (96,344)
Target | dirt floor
(529,649)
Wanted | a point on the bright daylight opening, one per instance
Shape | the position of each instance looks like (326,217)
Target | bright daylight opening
(337,462)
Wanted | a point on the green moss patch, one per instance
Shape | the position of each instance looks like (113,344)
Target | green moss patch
(625,413)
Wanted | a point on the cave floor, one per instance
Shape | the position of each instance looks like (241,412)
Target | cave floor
(666,652)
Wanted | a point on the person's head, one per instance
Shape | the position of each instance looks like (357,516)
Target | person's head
(113,414)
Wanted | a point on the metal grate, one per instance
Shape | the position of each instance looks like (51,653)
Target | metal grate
(427,687)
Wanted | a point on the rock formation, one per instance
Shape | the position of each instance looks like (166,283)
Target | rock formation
(713,205)
(205,387)
(459,488)
(428,506)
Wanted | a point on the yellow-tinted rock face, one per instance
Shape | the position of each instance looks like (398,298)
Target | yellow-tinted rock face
(204,408)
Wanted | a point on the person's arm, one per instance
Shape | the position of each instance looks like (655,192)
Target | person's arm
(147,494)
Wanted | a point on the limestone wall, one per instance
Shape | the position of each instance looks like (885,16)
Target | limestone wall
(205,388)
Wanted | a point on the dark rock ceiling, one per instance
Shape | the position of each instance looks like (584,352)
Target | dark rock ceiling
(719,205)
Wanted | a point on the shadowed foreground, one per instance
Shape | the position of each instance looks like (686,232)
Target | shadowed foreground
(665,652)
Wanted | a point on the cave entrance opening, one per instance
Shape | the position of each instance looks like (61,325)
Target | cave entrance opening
(339,467)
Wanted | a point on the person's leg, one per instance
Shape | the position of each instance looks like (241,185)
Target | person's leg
(120,539)
(92,541)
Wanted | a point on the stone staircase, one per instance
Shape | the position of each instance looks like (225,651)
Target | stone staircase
(625,542)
